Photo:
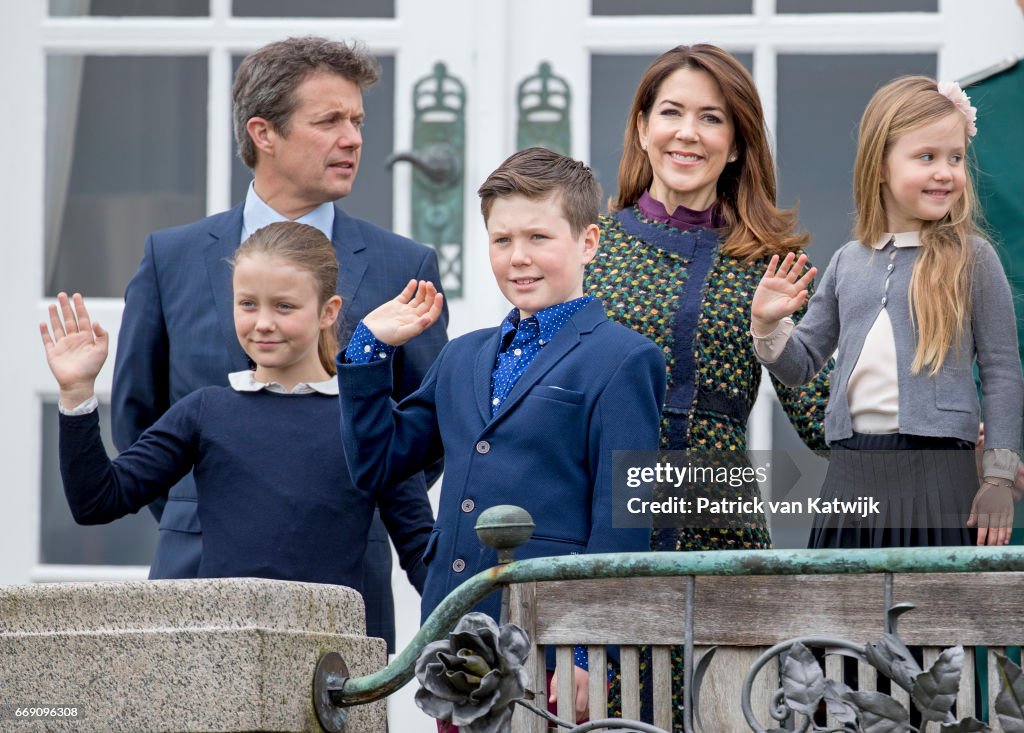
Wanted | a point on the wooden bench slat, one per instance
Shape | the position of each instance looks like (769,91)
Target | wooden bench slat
(942,618)
(777,608)
(597,661)
(965,699)
(523,611)
(993,687)
(834,671)
(774,608)
(867,677)
(900,695)
(564,675)
(720,707)
(661,681)
(629,656)
(929,655)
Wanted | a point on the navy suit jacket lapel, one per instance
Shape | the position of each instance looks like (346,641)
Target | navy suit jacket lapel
(567,338)
(222,243)
(352,253)
(482,370)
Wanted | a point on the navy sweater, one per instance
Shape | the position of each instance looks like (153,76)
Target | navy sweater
(275,497)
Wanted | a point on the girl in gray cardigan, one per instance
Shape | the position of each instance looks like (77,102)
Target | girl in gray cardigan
(912,305)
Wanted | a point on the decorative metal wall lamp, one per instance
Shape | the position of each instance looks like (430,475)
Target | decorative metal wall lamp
(438,157)
(543,101)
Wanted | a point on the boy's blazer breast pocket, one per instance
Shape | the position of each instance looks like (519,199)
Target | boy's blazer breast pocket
(560,394)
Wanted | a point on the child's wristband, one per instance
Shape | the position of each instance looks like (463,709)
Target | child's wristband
(999,463)
(769,347)
(579,657)
(82,408)
(364,347)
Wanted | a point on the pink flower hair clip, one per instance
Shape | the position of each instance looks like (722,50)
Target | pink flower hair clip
(952,91)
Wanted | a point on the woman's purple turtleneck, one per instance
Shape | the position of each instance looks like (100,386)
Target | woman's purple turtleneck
(682,218)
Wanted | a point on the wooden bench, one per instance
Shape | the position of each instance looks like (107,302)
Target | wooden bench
(745,615)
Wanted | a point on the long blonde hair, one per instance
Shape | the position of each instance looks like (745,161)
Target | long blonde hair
(746,189)
(305,248)
(940,284)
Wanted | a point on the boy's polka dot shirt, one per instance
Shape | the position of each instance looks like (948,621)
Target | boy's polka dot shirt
(522,340)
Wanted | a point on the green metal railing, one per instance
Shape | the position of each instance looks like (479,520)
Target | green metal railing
(342,691)
(374,686)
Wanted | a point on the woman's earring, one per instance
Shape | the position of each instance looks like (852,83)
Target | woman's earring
(733,157)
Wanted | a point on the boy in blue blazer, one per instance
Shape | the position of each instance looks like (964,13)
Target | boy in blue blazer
(527,413)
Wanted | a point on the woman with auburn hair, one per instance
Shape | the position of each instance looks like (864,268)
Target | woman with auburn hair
(694,223)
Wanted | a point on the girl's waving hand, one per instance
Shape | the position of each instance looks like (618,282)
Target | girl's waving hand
(75,349)
(781,292)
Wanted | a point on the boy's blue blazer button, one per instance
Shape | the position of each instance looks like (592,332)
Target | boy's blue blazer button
(483,447)
(459,565)
(468,505)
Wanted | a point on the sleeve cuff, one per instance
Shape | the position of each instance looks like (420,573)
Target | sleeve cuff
(579,657)
(90,405)
(364,347)
(769,348)
(999,463)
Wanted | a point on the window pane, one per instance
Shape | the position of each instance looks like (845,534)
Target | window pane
(671,7)
(613,82)
(314,8)
(371,197)
(125,155)
(127,541)
(170,8)
(820,101)
(857,6)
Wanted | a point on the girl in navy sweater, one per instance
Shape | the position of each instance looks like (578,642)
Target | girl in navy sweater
(275,497)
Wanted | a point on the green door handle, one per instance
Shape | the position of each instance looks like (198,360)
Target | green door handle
(438,159)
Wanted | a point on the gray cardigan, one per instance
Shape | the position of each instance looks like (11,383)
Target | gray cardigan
(857,284)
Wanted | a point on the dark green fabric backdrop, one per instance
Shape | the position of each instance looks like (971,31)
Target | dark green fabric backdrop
(998,150)
(999,153)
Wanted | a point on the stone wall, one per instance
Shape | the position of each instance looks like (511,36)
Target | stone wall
(178,656)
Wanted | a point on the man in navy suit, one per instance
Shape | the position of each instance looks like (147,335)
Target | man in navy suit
(298,115)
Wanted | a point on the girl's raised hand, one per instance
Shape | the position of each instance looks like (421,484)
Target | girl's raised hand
(781,292)
(416,309)
(75,350)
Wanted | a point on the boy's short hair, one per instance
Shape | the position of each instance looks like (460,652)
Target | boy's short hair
(537,173)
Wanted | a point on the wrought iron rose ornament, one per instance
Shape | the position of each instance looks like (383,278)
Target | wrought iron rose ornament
(473,677)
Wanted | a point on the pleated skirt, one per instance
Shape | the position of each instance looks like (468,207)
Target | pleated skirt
(922,489)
